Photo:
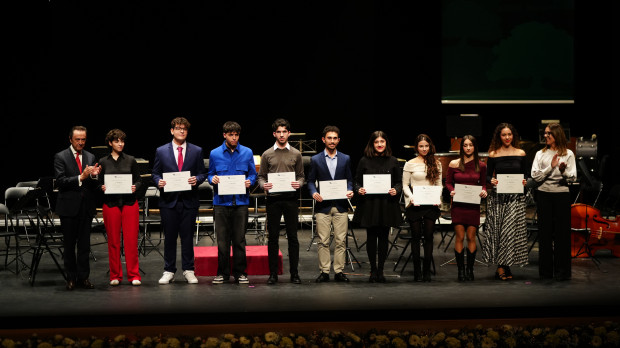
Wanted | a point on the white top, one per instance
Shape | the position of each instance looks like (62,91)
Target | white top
(414,174)
(551,179)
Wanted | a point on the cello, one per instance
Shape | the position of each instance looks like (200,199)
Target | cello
(592,232)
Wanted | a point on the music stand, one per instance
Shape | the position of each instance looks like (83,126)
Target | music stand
(585,247)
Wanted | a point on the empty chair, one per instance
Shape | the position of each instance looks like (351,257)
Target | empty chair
(11,241)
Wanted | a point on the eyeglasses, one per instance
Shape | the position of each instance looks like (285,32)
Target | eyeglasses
(180,129)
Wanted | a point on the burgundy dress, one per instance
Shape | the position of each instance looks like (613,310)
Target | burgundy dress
(466,213)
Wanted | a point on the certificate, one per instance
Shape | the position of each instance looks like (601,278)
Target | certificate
(467,193)
(117,183)
(231,185)
(333,189)
(377,183)
(281,181)
(427,195)
(509,183)
(177,181)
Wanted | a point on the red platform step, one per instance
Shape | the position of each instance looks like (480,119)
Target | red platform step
(205,260)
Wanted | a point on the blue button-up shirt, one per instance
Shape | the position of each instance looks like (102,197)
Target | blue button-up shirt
(223,161)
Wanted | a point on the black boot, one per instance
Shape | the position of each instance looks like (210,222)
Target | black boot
(471,259)
(460,264)
(426,269)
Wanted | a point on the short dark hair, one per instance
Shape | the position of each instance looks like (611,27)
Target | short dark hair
(76,128)
(328,129)
(179,120)
(281,122)
(113,135)
(231,126)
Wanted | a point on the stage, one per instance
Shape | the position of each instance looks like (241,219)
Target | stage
(45,306)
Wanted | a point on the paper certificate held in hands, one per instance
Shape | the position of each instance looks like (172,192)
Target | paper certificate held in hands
(427,195)
(333,189)
(117,183)
(177,181)
(281,181)
(377,183)
(509,183)
(231,185)
(467,193)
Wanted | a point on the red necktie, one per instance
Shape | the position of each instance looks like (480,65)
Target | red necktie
(79,163)
(180,161)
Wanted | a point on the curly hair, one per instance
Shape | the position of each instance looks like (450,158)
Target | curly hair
(496,141)
(432,171)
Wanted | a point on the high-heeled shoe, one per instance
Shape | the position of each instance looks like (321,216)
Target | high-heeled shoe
(508,272)
(373,277)
(380,277)
(500,274)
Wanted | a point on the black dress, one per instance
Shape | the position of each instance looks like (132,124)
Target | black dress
(378,209)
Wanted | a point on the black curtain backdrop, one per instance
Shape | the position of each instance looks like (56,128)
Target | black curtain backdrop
(360,65)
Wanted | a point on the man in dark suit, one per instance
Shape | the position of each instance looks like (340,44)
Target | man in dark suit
(178,209)
(326,166)
(76,173)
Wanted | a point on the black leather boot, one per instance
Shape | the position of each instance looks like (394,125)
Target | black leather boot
(460,264)
(471,259)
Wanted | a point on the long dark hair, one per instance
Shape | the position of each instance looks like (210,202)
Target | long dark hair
(369,151)
(496,142)
(561,143)
(462,153)
(432,172)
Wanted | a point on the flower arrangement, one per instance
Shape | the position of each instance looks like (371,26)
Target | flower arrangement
(606,334)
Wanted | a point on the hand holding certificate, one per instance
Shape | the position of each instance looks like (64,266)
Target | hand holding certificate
(509,183)
(117,183)
(427,195)
(177,181)
(333,189)
(231,185)
(281,181)
(467,193)
(377,183)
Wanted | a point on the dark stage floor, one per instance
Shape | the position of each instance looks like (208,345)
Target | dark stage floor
(592,292)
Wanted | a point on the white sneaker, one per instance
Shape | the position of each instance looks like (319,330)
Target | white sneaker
(243,279)
(136,282)
(190,277)
(114,282)
(167,278)
(218,279)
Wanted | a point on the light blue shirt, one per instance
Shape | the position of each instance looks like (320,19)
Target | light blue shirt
(332,163)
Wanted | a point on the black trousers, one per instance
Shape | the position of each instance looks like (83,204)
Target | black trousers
(276,208)
(76,237)
(230,227)
(554,243)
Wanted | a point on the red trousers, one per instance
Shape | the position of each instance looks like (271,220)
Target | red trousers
(125,219)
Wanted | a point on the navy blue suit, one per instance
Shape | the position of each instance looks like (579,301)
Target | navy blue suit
(320,172)
(178,210)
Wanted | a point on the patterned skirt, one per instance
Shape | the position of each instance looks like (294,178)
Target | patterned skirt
(505,230)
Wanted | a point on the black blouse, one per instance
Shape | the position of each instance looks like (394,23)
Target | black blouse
(125,164)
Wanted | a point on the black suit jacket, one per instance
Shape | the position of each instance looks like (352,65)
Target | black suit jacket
(71,195)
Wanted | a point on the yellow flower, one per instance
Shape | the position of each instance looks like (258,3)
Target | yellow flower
(271,337)
(424,341)
(98,343)
(8,343)
(536,331)
(146,341)
(225,345)
(494,335)
(286,342)
(510,342)
(173,342)
(44,345)
(439,337)
(488,343)
(454,332)
(452,342)
(398,342)
(613,338)
(414,340)
(229,337)
(300,341)
(596,341)
(382,340)
(393,333)
(354,337)
(244,340)
(212,342)
(561,333)
(600,331)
